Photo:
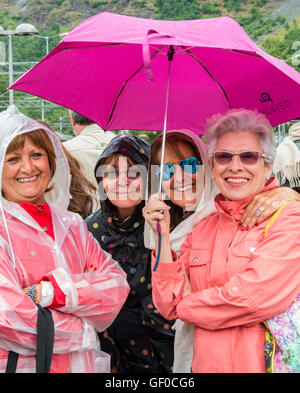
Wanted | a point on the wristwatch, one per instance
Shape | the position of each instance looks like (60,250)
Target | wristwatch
(31,292)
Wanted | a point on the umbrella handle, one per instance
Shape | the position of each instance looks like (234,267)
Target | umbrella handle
(159,246)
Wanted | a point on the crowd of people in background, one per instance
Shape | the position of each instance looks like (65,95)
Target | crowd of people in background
(80,236)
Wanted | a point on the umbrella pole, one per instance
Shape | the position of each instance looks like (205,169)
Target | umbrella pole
(170,58)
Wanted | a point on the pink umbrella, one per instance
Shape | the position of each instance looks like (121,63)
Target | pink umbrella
(193,69)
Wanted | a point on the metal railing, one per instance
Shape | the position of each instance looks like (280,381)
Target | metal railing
(22,65)
(41,109)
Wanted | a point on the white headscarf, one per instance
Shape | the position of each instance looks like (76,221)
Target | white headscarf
(13,123)
(287,162)
(204,208)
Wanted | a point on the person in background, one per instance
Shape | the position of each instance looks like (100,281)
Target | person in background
(48,257)
(145,137)
(287,161)
(181,145)
(83,192)
(224,285)
(88,144)
(140,340)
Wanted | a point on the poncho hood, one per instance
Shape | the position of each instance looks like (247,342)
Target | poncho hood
(13,123)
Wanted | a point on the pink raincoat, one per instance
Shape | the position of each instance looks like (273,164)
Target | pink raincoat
(89,301)
(239,279)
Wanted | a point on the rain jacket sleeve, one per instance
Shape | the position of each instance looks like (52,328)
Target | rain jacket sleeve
(98,296)
(266,288)
(92,301)
(18,319)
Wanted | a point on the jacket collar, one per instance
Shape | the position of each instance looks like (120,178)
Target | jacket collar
(91,128)
(236,209)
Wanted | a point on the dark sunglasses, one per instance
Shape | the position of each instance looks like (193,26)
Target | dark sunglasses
(246,157)
(188,165)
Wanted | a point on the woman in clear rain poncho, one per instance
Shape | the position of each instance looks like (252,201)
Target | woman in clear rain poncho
(48,249)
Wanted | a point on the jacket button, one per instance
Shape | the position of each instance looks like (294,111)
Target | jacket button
(178,268)
(195,259)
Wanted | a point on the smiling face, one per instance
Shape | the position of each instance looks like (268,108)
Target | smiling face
(184,189)
(26,174)
(237,181)
(123,184)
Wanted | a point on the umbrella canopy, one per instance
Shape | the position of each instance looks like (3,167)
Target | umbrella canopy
(113,69)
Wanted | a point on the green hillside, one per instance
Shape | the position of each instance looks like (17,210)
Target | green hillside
(69,13)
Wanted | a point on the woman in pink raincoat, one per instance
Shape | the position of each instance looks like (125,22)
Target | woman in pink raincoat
(48,257)
(228,280)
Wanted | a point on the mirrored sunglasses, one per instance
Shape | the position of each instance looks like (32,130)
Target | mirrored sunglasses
(246,157)
(188,165)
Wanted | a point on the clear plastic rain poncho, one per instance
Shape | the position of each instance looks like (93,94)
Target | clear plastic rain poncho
(28,255)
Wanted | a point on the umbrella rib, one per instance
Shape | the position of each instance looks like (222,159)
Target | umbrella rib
(244,53)
(209,73)
(92,46)
(125,83)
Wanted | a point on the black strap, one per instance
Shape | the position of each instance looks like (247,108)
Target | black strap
(12,361)
(45,340)
(44,345)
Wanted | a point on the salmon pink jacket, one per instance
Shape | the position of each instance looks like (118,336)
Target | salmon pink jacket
(85,303)
(239,279)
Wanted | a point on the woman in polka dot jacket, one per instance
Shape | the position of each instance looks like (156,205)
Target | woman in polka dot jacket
(140,340)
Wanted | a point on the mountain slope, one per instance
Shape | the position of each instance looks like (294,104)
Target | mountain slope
(69,13)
